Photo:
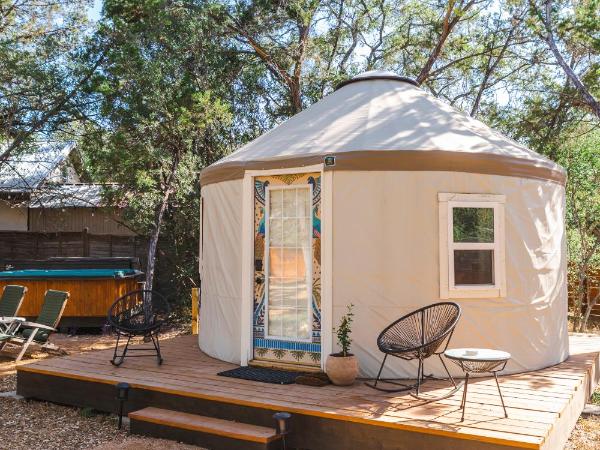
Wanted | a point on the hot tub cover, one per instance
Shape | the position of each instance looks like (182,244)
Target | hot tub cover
(69,273)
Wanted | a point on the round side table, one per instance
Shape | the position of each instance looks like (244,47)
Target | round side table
(478,360)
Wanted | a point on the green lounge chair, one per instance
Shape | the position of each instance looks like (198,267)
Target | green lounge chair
(10,302)
(39,331)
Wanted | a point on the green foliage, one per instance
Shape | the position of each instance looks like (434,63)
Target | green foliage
(596,397)
(344,330)
(161,116)
(41,58)
(181,83)
(473,224)
(580,155)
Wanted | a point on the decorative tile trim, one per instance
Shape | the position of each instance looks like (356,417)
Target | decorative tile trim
(287,345)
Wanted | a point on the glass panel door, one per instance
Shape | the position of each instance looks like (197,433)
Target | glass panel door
(289,262)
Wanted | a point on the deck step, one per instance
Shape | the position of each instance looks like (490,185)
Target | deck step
(208,432)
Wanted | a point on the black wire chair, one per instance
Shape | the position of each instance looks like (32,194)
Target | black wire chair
(139,313)
(419,335)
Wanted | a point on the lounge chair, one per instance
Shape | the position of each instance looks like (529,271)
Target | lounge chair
(419,335)
(10,302)
(39,331)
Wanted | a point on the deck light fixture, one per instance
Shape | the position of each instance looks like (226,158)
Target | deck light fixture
(282,418)
(282,426)
(122,396)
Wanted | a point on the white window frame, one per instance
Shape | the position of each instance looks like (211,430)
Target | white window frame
(309,267)
(449,201)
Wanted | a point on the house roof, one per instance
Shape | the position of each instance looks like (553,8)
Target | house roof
(27,171)
(68,196)
(381,121)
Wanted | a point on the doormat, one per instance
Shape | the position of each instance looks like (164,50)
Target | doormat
(263,375)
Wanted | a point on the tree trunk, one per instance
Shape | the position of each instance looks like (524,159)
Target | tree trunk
(588,98)
(588,310)
(153,242)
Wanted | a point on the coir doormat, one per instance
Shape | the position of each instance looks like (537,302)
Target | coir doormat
(263,375)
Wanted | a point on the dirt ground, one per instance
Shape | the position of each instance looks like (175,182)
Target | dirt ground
(49,426)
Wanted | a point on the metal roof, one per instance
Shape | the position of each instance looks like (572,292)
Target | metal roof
(68,196)
(27,171)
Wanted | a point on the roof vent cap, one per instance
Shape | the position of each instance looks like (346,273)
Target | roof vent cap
(376,75)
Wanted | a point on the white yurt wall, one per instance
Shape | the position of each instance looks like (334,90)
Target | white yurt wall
(220,320)
(386,262)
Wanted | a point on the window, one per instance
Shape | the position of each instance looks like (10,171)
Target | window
(471,245)
(289,264)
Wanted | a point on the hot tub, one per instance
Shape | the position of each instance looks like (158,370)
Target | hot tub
(92,291)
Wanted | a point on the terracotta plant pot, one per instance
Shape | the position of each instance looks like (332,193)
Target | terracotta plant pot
(341,370)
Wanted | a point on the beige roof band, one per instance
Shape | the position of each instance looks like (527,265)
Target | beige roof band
(408,160)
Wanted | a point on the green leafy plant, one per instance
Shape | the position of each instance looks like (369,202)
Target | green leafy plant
(344,330)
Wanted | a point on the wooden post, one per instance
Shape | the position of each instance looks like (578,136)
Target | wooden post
(85,241)
(195,301)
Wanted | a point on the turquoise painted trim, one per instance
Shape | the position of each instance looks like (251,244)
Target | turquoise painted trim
(68,273)
(287,345)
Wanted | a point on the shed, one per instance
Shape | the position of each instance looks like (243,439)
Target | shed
(41,191)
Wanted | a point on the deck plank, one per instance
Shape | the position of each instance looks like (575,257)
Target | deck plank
(535,400)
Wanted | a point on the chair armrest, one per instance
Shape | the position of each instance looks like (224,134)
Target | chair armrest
(37,325)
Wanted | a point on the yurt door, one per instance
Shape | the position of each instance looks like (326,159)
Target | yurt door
(287,314)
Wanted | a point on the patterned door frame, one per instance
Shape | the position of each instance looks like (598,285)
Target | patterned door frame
(281,351)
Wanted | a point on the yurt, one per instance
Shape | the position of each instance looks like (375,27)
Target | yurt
(382,197)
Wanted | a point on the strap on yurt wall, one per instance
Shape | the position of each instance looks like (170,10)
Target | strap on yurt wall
(407,160)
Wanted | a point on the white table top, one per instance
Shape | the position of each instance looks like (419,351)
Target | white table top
(477,354)
(8,319)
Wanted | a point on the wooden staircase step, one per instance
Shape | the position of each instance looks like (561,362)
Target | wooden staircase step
(209,432)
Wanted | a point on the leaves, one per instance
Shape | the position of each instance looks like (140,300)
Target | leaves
(344,330)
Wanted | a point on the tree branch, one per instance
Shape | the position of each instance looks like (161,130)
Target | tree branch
(588,98)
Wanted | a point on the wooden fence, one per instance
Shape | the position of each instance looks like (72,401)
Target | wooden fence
(592,288)
(32,245)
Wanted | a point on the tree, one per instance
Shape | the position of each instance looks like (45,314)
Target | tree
(581,157)
(159,119)
(581,30)
(455,11)
(278,34)
(41,68)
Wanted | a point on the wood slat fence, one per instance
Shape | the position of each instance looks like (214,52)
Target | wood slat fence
(593,287)
(32,245)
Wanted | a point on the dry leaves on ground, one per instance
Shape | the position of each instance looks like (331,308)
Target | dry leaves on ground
(137,443)
(30,424)
(586,435)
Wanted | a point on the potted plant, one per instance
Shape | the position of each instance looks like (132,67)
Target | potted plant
(342,367)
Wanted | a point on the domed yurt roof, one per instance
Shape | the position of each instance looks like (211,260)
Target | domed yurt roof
(382,121)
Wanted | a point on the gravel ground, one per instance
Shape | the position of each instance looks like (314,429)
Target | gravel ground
(586,435)
(49,426)
(54,427)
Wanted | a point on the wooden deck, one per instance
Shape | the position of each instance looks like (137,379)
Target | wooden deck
(543,406)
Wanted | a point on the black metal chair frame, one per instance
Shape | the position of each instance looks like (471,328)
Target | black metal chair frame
(427,347)
(492,366)
(149,316)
